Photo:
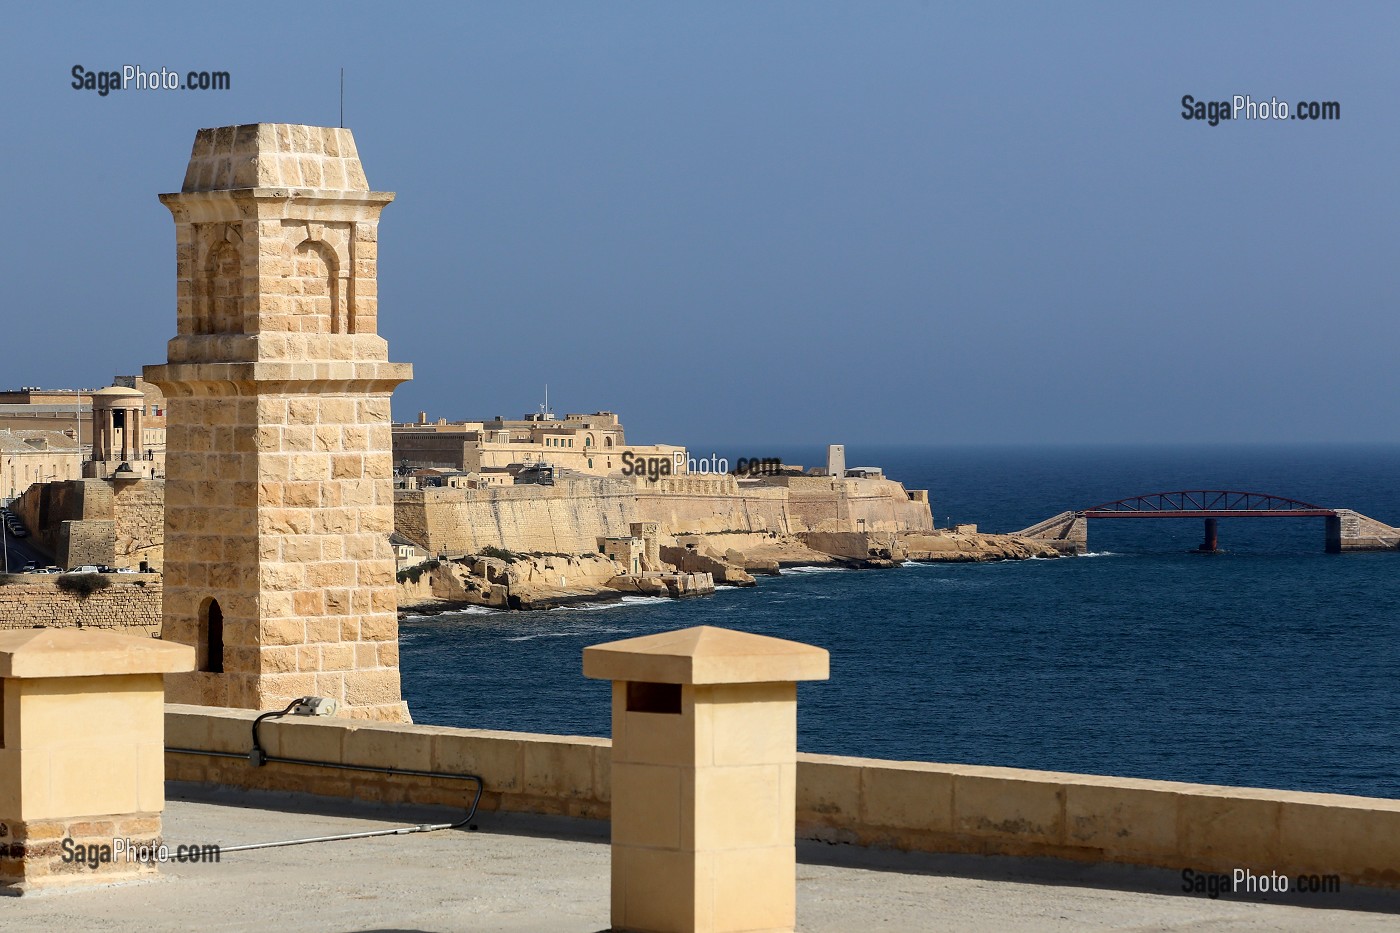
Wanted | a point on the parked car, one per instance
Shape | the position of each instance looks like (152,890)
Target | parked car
(85,568)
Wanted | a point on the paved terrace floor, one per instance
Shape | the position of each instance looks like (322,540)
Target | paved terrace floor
(530,874)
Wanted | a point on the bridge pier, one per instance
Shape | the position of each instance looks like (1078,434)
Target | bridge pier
(1211,543)
(1334,534)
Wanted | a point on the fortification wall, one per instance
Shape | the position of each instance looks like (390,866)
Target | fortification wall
(709,504)
(820,503)
(45,507)
(130,606)
(566,518)
(95,521)
(569,517)
(86,542)
(139,524)
(890,804)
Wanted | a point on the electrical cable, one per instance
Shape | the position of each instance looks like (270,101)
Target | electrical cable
(258,757)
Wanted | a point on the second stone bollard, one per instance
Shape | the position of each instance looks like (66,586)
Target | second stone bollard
(704,768)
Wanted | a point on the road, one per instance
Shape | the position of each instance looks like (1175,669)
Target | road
(18,551)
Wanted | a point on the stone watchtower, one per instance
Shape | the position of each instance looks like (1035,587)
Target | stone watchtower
(278,493)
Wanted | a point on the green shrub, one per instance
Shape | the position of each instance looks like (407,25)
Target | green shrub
(411,574)
(82,585)
(499,553)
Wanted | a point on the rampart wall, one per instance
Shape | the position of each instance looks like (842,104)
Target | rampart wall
(130,605)
(566,518)
(709,504)
(890,804)
(569,517)
(820,503)
(95,521)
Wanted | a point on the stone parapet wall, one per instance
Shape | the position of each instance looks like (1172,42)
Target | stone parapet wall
(890,804)
(525,773)
(131,605)
(1091,818)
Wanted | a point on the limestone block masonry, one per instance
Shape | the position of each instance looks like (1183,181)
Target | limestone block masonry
(279,499)
(129,606)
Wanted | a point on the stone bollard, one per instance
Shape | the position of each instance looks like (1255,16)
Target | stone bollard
(704,767)
(82,754)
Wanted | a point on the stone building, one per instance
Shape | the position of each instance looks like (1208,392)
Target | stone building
(279,499)
(592,444)
(28,457)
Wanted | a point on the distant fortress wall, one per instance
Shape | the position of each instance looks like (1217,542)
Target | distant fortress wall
(570,516)
(820,503)
(699,505)
(97,521)
(787,505)
(566,518)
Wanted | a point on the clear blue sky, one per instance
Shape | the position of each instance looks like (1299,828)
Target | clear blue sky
(770,223)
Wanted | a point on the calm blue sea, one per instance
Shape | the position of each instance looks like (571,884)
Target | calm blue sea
(1273,665)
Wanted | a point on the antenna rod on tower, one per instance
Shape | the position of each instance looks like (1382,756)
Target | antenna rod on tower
(342,97)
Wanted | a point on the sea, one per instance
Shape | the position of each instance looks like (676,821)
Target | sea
(1273,664)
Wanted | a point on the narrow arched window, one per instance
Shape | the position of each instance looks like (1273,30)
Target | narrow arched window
(211,638)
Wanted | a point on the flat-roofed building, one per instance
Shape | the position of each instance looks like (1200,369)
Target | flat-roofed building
(28,457)
(587,443)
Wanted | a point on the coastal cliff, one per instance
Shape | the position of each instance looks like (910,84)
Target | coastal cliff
(506,580)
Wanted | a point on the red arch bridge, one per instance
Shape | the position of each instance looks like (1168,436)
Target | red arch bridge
(1346,529)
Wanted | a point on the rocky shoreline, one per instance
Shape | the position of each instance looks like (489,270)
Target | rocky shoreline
(693,565)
